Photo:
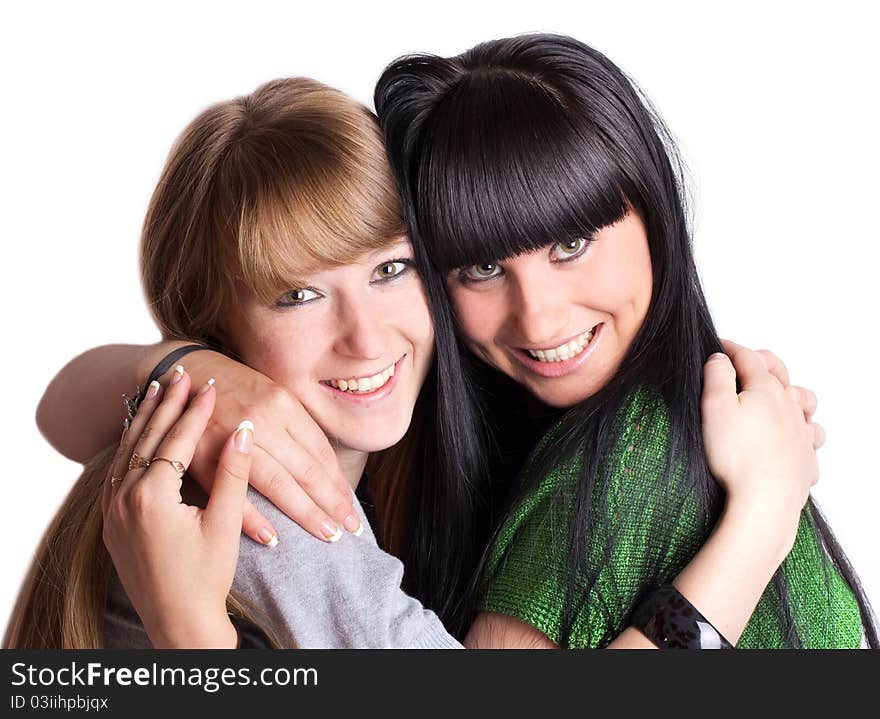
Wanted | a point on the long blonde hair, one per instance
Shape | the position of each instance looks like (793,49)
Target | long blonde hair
(255,192)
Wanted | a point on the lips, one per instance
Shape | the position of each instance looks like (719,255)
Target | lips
(553,365)
(363,389)
(365,384)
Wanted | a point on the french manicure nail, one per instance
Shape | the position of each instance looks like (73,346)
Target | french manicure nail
(152,390)
(352,524)
(207,386)
(244,436)
(268,537)
(332,533)
(178,373)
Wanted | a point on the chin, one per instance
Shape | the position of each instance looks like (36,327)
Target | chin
(373,438)
(566,392)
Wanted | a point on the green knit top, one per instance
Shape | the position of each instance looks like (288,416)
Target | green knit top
(528,567)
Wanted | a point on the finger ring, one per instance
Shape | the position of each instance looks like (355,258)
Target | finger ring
(115,481)
(178,466)
(136,461)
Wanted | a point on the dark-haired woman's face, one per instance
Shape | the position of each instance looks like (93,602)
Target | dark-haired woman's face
(560,320)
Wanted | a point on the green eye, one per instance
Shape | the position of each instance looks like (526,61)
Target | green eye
(568,249)
(298,296)
(482,271)
(387,270)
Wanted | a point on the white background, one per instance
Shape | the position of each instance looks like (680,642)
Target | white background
(772,105)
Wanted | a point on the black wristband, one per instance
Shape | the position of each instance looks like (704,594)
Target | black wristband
(670,621)
(132,403)
(250,636)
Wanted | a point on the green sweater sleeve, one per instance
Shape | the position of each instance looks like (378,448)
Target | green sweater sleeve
(529,564)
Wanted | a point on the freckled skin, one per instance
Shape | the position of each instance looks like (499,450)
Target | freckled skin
(355,328)
(538,302)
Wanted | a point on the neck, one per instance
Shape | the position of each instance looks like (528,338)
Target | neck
(352,463)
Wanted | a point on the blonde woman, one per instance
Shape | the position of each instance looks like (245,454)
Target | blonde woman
(259,193)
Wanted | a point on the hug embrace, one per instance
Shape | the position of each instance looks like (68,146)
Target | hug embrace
(451,370)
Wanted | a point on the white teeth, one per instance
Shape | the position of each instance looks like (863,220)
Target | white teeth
(363,384)
(563,352)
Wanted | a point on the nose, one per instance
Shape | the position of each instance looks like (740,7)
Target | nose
(539,308)
(359,334)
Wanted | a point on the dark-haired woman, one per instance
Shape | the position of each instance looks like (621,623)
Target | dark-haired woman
(545,203)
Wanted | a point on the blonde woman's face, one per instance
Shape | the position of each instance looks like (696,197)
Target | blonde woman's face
(353,344)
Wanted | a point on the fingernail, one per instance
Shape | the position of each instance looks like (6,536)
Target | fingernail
(717,356)
(353,524)
(178,373)
(152,390)
(207,386)
(332,533)
(244,436)
(268,537)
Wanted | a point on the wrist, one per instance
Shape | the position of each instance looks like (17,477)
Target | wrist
(727,577)
(152,356)
(768,528)
(205,633)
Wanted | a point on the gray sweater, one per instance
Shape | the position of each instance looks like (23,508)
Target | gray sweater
(311,594)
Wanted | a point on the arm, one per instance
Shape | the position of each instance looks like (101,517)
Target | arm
(761,449)
(294,464)
(81,411)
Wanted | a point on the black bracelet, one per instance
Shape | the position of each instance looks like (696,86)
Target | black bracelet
(670,621)
(250,636)
(132,403)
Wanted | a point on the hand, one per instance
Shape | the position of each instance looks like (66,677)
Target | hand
(176,562)
(803,396)
(759,443)
(293,464)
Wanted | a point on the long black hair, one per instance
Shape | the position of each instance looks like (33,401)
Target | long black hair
(510,146)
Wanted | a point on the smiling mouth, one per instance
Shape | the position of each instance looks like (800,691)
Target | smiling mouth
(565,351)
(363,385)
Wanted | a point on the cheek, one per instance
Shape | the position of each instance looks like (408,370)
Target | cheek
(416,322)
(622,283)
(477,315)
(274,347)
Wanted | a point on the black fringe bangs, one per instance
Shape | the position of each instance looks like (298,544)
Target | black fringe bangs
(511,169)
